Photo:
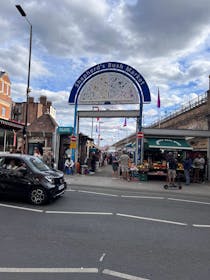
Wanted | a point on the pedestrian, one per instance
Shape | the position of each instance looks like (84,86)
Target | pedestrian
(171,166)
(196,169)
(115,165)
(47,158)
(187,164)
(201,167)
(93,162)
(124,162)
(69,166)
(37,152)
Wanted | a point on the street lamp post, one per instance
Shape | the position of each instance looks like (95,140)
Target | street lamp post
(99,133)
(21,11)
(94,107)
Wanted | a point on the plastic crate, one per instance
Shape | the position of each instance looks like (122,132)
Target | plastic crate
(143,177)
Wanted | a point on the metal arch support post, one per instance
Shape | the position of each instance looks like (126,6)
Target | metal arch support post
(140,141)
(75,130)
(208,160)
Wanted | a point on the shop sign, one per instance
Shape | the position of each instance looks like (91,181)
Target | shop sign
(73,143)
(65,130)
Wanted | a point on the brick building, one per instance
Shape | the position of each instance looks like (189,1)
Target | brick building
(8,128)
(5,99)
(42,132)
(35,109)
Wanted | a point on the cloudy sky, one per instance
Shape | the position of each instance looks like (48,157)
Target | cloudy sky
(167,41)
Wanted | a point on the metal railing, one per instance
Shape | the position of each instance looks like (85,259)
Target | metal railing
(195,102)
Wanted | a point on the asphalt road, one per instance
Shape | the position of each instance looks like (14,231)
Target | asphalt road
(94,233)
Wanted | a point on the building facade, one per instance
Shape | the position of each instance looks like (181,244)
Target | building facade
(5,98)
(35,109)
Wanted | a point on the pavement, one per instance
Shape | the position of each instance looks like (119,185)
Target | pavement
(103,178)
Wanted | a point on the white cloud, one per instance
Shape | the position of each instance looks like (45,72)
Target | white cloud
(168,42)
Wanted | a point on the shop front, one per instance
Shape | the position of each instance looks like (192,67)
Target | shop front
(8,135)
(155,155)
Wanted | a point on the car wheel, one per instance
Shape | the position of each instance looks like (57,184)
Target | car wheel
(38,196)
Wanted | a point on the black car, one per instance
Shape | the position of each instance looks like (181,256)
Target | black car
(28,176)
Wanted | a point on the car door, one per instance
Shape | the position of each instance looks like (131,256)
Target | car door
(15,180)
(3,176)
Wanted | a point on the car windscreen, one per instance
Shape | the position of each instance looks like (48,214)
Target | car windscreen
(39,164)
(2,160)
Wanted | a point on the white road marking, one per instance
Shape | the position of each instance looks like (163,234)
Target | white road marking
(122,275)
(105,194)
(47,270)
(102,257)
(151,219)
(78,213)
(189,201)
(147,197)
(21,208)
(201,226)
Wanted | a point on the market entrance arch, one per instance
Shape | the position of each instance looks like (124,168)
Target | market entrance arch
(110,83)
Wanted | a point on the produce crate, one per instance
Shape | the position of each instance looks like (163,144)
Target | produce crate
(143,177)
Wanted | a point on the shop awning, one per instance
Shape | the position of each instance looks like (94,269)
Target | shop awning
(168,143)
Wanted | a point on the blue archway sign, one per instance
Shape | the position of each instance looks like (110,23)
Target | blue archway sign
(111,83)
(115,67)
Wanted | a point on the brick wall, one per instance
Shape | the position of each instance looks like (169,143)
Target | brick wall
(5,99)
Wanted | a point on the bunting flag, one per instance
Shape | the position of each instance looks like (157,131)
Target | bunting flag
(125,122)
(158,100)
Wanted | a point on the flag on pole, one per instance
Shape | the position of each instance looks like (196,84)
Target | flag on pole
(125,122)
(98,117)
(158,100)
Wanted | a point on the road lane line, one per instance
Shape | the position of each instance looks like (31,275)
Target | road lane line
(105,194)
(21,208)
(189,201)
(201,226)
(47,270)
(151,219)
(78,213)
(147,197)
(122,275)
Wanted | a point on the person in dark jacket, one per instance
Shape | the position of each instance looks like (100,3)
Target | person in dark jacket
(187,164)
(171,166)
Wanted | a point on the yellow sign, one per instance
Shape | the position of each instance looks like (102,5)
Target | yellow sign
(73,145)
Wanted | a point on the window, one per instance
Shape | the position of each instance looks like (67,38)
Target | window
(3,111)
(8,90)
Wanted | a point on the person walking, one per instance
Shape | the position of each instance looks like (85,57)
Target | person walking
(124,162)
(115,165)
(187,164)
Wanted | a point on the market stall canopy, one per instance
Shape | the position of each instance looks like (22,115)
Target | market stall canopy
(168,143)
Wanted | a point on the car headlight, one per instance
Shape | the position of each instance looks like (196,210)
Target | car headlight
(50,179)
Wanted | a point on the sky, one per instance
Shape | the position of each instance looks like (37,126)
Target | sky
(166,41)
